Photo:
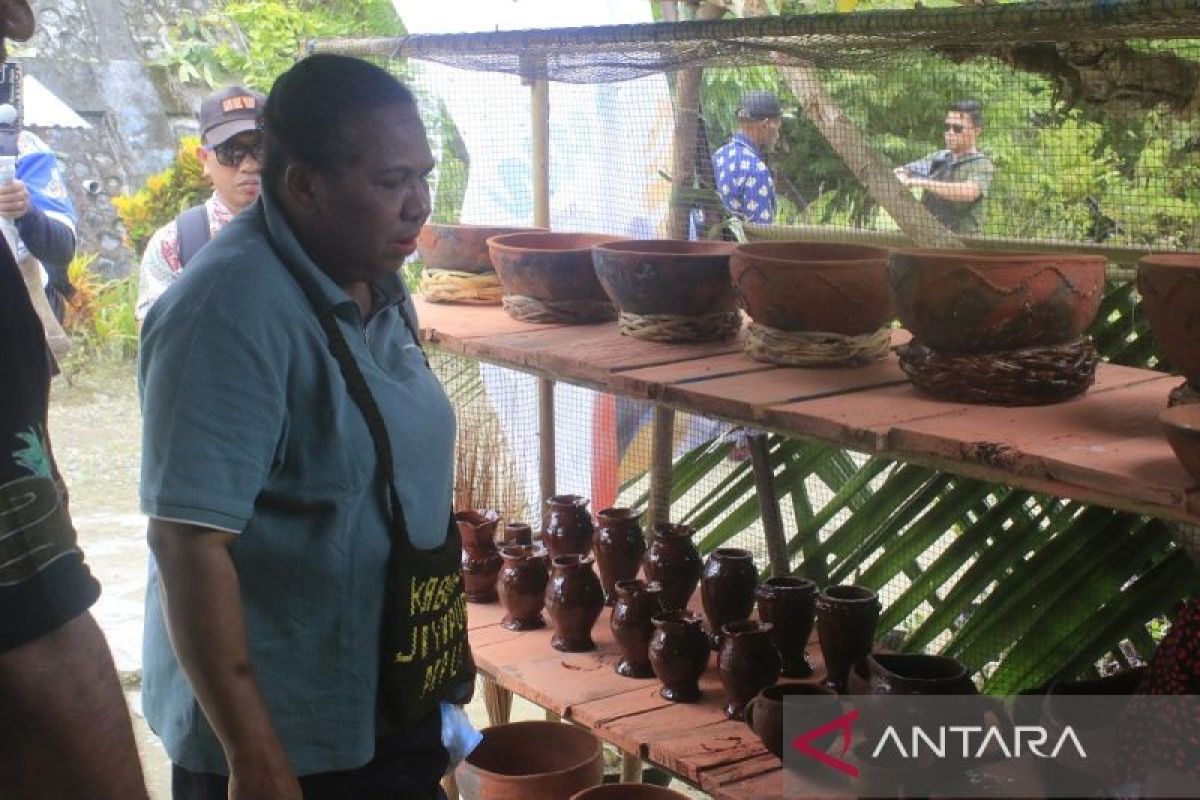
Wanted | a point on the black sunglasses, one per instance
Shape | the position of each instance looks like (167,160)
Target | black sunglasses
(231,153)
(957,127)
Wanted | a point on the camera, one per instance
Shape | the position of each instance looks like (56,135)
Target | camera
(92,186)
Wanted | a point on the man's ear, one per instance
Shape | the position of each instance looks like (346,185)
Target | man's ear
(300,186)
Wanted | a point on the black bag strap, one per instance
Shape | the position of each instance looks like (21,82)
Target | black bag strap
(192,226)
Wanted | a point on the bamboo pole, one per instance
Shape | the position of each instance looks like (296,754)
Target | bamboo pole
(662,447)
(768,502)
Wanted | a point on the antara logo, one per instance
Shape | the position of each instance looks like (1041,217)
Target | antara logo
(1025,739)
(845,723)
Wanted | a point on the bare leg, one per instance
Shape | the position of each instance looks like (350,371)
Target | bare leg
(65,730)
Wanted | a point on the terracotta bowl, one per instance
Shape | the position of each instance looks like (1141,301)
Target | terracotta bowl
(533,760)
(1182,427)
(459,247)
(814,286)
(1169,284)
(974,301)
(548,266)
(665,276)
(629,791)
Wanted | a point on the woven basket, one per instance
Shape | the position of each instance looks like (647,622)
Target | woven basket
(1030,376)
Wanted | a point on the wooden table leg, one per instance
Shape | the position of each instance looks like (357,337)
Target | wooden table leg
(631,768)
(662,451)
(768,501)
(552,717)
(450,787)
(497,700)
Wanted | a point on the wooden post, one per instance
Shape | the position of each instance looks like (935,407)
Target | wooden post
(631,767)
(547,474)
(663,446)
(497,700)
(764,484)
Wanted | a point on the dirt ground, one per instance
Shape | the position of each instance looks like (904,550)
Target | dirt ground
(95,428)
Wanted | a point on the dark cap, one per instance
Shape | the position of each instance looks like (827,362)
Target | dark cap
(229,112)
(759,105)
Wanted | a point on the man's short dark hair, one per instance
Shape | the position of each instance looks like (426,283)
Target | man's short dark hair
(310,112)
(972,109)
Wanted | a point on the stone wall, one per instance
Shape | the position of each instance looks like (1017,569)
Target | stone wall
(96,55)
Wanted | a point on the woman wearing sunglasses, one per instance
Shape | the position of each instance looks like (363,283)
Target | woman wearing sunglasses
(231,154)
(955,180)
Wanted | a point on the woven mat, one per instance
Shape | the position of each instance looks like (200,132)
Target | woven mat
(568,312)
(677,328)
(1029,376)
(814,349)
(1183,395)
(455,286)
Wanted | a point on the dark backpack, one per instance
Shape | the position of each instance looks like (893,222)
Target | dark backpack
(192,225)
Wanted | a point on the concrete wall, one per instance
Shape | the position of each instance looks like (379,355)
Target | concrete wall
(96,55)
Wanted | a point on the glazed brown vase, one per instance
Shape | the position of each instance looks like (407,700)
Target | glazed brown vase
(846,618)
(568,526)
(813,286)
(746,663)
(619,545)
(679,654)
(517,533)
(673,560)
(1169,284)
(522,587)
(480,557)
(974,301)
(790,605)
(764,713)
(632,622)
(573,601)
(727,588)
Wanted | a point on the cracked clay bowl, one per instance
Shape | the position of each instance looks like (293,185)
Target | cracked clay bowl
(459,247)
(1169,284)
(1181,424)
(664,276)
(977,301)
(814,286)
(548,266)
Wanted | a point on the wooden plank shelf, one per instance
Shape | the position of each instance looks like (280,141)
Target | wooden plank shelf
(1103,447)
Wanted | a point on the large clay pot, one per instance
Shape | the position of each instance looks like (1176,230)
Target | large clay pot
(679,654)
(747,663)
(1181,424)
(814,286)
(573,601)
(673,560)
(619,544)
(764,713)
(790,605)
(1169,284)
(460,247)
(972,301)
(548,266)
(632,622)
(916,673)
(629,791)
(846,617)
(480,557)
(663,276)
(568,525)
(533,760)
(727,588)
(522,587)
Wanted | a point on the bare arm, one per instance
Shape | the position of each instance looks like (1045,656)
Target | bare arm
(64,727)
(961,192)
(203,609)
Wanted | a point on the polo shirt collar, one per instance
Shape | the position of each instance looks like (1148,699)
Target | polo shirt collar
(319,287)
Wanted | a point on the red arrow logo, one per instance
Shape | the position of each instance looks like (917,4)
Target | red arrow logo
(845,723)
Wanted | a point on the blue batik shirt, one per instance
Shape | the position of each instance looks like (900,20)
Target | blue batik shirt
(744,183)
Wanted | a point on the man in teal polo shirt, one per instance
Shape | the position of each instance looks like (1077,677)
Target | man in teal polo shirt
(957,180)
(272,520)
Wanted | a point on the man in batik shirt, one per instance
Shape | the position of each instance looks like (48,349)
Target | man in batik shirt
(743,180)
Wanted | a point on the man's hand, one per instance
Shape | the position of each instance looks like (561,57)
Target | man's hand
(905,177)
(14,200)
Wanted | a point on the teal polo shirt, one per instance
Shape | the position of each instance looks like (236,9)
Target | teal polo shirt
(248,428)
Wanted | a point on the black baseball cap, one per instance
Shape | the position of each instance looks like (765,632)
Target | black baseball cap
(759,104)
(229,112)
